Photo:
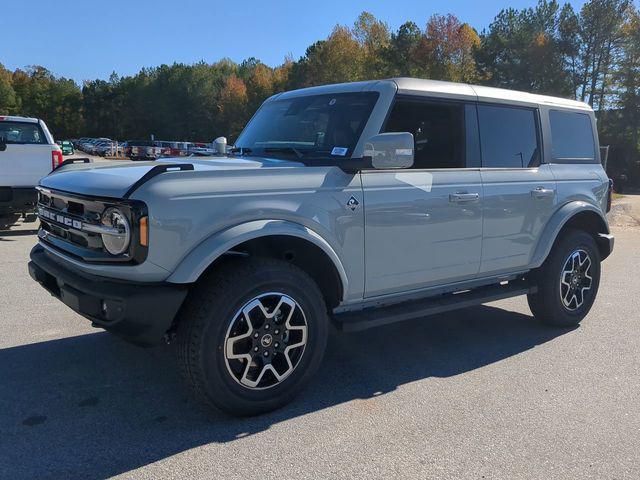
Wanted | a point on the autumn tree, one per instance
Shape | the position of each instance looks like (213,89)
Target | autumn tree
(374,38)
(446,50)
(528,49)
(8,103)
(337,59)
(232,105)
(401,55)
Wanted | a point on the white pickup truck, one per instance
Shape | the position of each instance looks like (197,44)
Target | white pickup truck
(27,153)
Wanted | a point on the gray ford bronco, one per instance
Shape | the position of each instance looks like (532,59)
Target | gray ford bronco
(356,204)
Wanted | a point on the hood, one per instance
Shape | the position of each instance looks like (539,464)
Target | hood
(113,179)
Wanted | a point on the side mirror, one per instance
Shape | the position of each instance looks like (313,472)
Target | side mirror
(390,150)
(220,145)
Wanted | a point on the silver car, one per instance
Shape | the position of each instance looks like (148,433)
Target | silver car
(359,204)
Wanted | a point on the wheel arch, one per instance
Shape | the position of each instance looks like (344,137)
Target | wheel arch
(577,215)
(270,238)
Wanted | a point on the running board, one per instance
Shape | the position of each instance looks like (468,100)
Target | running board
(373,317)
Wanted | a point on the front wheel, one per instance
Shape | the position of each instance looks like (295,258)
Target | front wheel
(251,335)
(567,281)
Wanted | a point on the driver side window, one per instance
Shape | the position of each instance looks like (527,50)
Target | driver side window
(438,130)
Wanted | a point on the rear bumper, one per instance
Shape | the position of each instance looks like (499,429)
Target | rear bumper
(140,313)
(17,199)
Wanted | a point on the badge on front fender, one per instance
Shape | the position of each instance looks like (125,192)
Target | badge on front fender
(353,204)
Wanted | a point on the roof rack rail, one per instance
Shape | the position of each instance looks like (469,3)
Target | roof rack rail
(157,170)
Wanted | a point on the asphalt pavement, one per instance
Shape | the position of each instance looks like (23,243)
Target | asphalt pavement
(485,392)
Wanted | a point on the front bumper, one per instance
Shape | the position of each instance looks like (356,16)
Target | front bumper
(17,199)
(141,313)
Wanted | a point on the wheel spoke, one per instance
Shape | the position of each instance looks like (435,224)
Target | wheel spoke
(579,297)
(585,263)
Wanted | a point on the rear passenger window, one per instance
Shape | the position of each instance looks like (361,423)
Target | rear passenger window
(437,128)
(21,133)
(572,136)
(508,137)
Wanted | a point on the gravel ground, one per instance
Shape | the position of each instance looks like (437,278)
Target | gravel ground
(485,392)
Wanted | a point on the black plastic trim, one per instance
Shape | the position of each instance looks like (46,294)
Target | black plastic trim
(70,161)
(139,312)
(155,171)
(133,209)
(372,317)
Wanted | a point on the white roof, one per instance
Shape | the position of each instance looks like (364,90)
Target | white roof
(18,119)
(407,85)
(438,88)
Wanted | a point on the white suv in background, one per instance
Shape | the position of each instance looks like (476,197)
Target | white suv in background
(27,153)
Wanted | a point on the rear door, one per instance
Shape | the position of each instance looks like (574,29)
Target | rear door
(519,190)
(27,156)
(423,225)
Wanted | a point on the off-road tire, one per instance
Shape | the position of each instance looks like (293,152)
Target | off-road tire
(204,323)
(547,303)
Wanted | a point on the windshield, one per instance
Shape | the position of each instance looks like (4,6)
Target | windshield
(315,125)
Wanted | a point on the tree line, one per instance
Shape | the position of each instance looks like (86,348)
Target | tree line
(592,55)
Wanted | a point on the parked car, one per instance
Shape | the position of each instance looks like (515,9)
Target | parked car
(144,150)
(77,143)
(27,153)
(109,148)
(67,147)
(361,204)
(89,145)
(168,149)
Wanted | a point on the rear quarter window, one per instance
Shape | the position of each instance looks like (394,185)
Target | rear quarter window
(21,133)
(572,136)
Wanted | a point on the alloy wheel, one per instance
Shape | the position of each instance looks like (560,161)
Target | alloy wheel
(265,341)
(575,279)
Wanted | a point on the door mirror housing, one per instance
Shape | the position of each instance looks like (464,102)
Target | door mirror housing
(220,145)
(390,150)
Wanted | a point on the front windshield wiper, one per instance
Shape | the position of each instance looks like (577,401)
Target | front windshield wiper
(293,150)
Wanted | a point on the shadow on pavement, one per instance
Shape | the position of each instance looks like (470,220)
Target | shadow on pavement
(93,406)
(10,225)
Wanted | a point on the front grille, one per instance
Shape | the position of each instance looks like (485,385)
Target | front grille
(69,223)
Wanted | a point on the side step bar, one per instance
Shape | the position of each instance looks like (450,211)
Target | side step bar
(373,317)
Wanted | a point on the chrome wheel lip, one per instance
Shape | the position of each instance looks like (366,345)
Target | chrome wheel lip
(575,279)
(248,358)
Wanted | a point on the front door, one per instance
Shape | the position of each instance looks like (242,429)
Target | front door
(423,226)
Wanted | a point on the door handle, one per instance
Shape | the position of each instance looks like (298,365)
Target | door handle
(462,197)
(541,192)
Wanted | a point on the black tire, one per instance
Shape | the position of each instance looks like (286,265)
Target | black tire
(547,304)
(206,320)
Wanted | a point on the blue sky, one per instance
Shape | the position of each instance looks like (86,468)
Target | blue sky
(91,38)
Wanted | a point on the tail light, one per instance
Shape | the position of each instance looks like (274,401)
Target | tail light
(56,159)
(609,195)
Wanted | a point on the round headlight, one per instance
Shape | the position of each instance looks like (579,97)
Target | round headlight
(116,241)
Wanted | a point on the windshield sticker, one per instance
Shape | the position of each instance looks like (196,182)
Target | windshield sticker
(339,151)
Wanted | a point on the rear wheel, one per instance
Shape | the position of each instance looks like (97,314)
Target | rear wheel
(251,335)
(568,281)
